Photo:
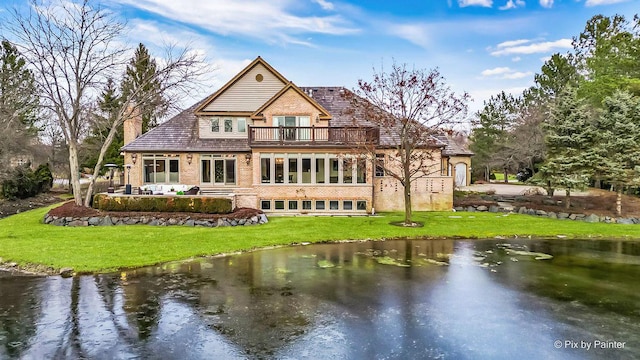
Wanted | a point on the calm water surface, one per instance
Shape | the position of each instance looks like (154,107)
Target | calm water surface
(370,300)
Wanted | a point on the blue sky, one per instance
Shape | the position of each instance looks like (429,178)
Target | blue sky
(480,46)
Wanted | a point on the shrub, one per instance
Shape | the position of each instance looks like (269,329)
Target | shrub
(22,182)
(162,204)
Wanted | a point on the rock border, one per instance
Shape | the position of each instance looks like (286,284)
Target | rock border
(593,218)
(153,221)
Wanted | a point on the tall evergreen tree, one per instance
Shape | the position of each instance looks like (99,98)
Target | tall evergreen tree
(141,81)
(490,139)
(18,103)
(615,151)
(108,107)
(569,134)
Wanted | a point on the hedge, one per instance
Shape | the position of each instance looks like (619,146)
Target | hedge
(162,204)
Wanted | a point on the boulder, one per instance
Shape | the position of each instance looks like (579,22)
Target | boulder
(482,208)
(66,272)
(564,215)
(625,221)
(593,218)
(106,221)
(263,219)
(94,221)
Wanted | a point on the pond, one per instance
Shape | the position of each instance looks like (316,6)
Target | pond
(441,299)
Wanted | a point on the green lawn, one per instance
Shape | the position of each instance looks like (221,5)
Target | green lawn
(25,240)
(500,176)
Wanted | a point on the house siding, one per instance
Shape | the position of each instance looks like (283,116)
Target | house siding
(235,97)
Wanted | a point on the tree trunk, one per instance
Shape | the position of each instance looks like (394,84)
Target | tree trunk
(619,201)
(506,176)
(74,170)
(406,164)
(96,169)
(567,198)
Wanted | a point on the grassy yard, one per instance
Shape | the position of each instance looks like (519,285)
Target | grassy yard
(25,240)
(500,176)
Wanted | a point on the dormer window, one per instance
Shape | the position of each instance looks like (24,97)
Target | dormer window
(224,127)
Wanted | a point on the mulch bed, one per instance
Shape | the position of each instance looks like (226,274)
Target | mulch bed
(598,202)
(12,207)
(70,209)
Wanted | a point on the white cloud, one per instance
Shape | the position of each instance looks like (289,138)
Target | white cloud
(496,71)
(534,48)
(516,59)
(484,3)
(546,3)
(326,5)
(415,33)
(512,43)
(270,21)
(505,73)
(603,2)
(511,4)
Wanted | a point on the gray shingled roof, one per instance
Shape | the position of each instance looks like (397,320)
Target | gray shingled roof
(456,144)
(180,133)
(332,98)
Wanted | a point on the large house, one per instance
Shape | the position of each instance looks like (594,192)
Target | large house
(281,148)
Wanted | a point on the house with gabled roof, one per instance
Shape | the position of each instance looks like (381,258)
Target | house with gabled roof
(281,148)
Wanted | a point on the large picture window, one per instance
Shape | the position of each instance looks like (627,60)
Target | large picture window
(312,169)
(217,170)
(160,169)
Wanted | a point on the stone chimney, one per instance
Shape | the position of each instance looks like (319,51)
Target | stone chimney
(132,126)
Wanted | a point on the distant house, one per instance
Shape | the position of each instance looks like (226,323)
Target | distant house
(282,148)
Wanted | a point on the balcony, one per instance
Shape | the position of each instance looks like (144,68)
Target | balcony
(306,136)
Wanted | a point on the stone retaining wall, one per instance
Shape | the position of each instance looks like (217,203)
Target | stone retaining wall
(561,215)
(152,220)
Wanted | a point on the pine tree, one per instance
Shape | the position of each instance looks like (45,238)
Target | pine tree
(108,105)
(137,85)
(569,133)
(491,138)
(615,152)
(18,104)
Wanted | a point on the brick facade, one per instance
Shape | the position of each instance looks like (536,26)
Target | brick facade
(433,192)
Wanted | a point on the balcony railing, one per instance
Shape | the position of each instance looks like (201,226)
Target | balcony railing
(312,135)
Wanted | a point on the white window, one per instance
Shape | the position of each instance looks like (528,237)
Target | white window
(217,170)
(160,169)
(296,127)
(228,126)
(242,125)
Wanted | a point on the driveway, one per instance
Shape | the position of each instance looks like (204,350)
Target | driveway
(512,189)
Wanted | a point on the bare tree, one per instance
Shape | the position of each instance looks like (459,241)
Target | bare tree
(73,47)
(410,107)
(174,77)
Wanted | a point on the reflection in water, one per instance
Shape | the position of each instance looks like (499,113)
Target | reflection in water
(395,299)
